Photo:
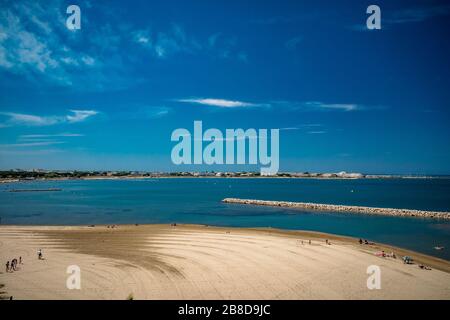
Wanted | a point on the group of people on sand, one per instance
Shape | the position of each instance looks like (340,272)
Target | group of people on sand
(11,267)
(386,255)
(302,242)
(361,241)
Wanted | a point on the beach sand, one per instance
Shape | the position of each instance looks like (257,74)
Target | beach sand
(201,262)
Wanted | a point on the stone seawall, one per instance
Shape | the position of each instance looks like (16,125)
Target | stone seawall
(345,209)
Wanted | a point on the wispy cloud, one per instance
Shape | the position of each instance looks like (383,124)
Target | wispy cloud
(31,144)
(302,127)
(289,129)
(80,115)
(35,120)
(221,103)
(40,136)
(418,14)
(408,15)
(28,119)
(139,112)
(175,40)
(333,106)
(31,43)
(308,106)
(292,43)
(164,44)
(35,44)
(316,132)
(156,112)
(312,106)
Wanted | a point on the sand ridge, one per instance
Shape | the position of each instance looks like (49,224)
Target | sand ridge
(200,262)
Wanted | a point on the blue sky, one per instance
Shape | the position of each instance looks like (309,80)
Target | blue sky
(109,95)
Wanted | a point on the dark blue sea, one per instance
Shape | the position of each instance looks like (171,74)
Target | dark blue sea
(198,200)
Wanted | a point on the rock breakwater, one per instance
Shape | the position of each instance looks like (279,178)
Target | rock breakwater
(344,209)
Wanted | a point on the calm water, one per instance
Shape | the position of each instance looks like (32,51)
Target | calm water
(198,201)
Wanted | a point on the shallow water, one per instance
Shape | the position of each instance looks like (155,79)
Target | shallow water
(197,200)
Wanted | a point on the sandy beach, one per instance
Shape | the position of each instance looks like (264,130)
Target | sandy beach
(201,262)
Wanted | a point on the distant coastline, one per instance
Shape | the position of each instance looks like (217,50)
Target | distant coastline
(12,176)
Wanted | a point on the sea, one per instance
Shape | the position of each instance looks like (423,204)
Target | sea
(198,201)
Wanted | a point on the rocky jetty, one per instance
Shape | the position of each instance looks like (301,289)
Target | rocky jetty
(345,209)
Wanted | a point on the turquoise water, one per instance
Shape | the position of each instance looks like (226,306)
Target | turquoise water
(197,200)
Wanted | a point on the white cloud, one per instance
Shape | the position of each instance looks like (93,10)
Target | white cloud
(303,127)
(308,106)
(154,112)
(89,61)
(142,37)
(31,144)
(289,129)
(164,44)
(29,44)
(34,120)
(221,103)
(35,44)
(80,115)
(29,119)
(333,106)
(40,136)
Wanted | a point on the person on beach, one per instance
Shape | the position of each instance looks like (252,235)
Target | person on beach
(7,266)
(360,241)
(13,264)
(309,241)
(40,254)
(421,266)
(20,260)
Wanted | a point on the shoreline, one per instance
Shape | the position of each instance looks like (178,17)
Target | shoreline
(269,230)
(394,212)
(94,178)
(156,261)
